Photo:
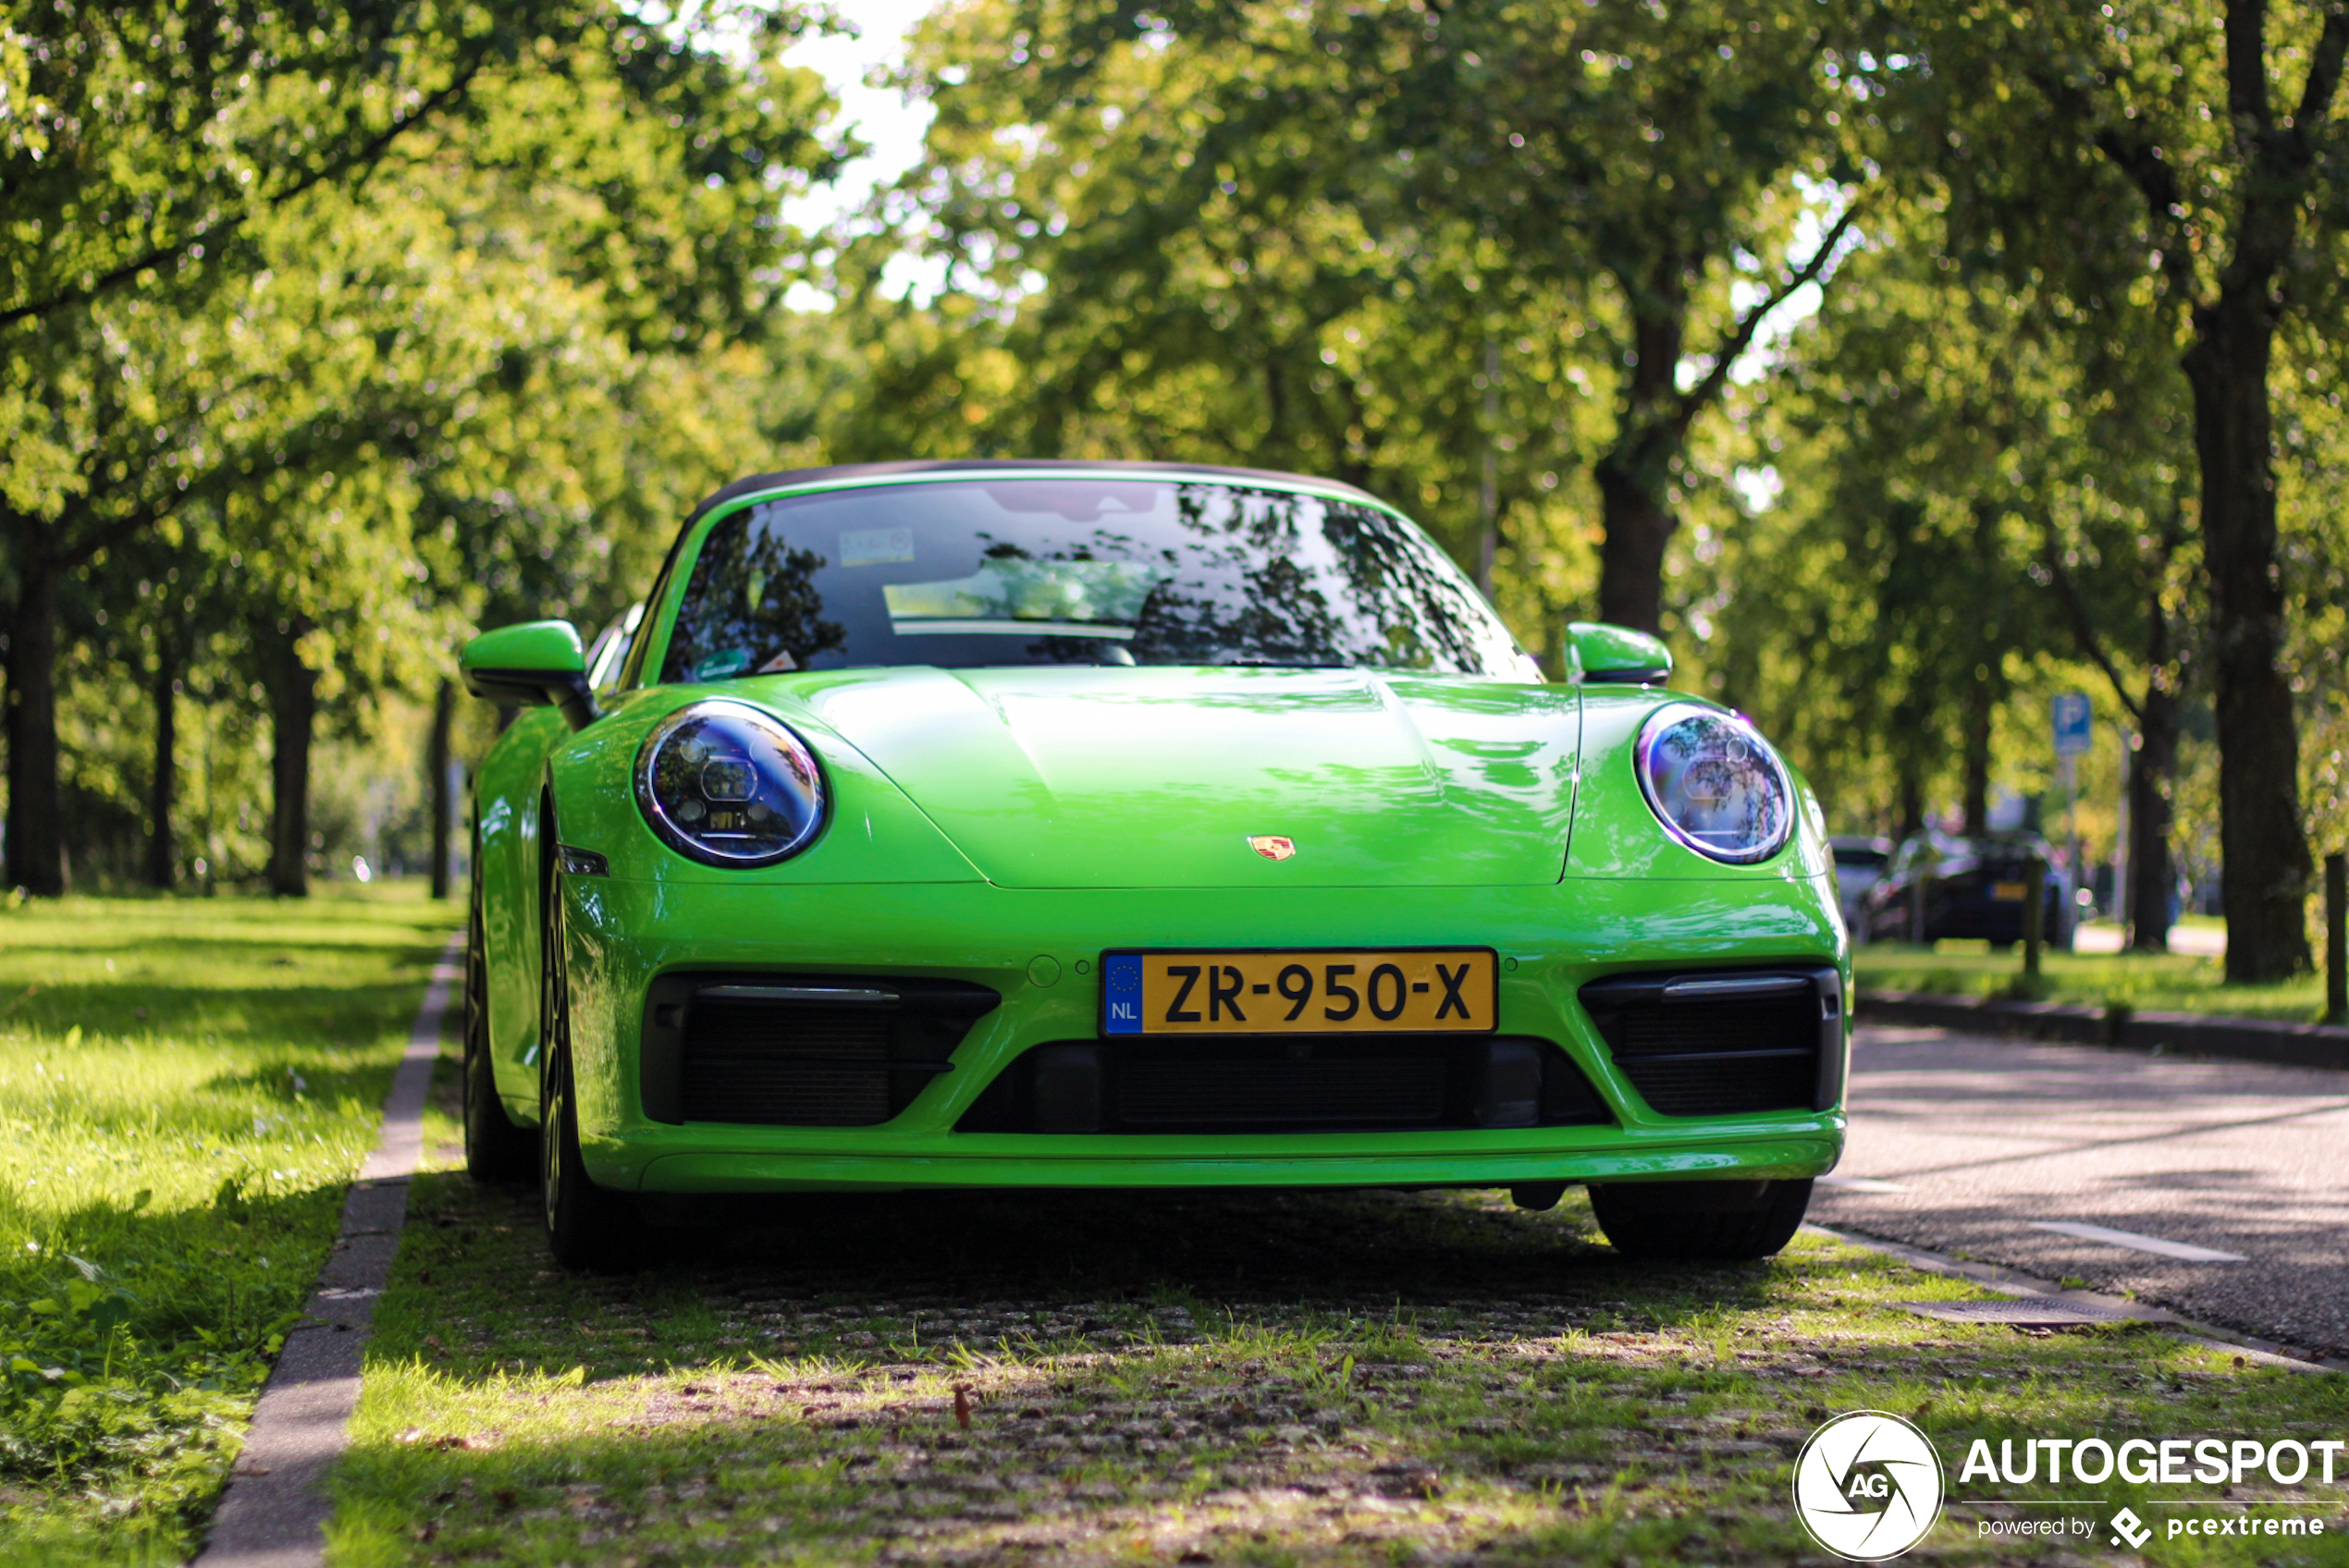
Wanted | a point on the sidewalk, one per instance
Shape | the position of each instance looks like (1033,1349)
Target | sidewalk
(2119,1028)
(2202,941)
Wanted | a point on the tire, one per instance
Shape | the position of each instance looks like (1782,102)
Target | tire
(588,1227)
(1701,1222)
(496,1150)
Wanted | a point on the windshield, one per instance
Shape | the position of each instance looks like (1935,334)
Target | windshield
(1076,570)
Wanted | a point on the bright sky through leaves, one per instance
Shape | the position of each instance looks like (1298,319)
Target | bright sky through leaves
(880,117)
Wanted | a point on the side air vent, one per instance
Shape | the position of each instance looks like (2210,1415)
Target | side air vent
(1390,1084)
(799,1050)
(1725,1042)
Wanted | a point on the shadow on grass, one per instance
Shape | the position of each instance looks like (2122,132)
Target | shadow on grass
(1269,1378)
(1273,1377)
(783,1492)
(133,1007)
(1081,1264)
(1335,1250)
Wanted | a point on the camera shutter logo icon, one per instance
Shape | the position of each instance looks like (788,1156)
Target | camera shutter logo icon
(1867,1486)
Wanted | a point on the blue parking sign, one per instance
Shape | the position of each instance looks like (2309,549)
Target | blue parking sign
(2073,719)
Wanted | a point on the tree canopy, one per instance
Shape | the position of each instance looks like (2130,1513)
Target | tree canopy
(1902,364)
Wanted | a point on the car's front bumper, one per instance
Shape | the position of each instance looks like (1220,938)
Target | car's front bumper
(1027,945)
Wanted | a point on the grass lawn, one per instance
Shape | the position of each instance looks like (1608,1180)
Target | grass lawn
(2144,982)
(1371,1378)
(186,1086)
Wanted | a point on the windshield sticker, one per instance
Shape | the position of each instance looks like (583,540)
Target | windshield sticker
(875,547)
(1082,593)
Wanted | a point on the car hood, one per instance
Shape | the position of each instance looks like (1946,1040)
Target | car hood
(1159,777)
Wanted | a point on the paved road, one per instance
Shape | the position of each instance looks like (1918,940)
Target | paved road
(1986,1138)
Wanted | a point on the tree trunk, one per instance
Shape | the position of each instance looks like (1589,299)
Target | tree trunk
(294,716)
(2265,866)
(36,816)
(1978,712)
(1639,523)
(2151,879)
(1911,801)
(444,713)
(1634,475)
(165,784)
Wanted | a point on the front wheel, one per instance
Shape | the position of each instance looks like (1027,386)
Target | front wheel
(1707,1221)
(496,1150)
(587,1226)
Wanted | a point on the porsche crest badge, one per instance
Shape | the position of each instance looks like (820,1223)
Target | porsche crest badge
(1272,846)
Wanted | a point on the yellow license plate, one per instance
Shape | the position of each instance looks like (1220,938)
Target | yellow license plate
(2007,893)
(1366,991)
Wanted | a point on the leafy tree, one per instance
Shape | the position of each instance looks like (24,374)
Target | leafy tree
(269,345)
(1193,182)
(2183,163)
(647,237)
(1666,151)
(1975,491)
(1177,263)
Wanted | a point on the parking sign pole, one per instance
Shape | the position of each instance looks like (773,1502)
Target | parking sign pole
(2074,731)
(2071,818)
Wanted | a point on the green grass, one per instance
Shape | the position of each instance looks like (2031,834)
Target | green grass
(2142,982)
(1271,1379)
(185,1086)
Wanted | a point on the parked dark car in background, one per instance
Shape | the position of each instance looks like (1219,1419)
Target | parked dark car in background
(1943,885)
(1860,864)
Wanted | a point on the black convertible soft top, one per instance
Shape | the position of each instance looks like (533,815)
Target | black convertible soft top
(984,465)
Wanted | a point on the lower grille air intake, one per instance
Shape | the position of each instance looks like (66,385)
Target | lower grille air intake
(1285,1086)
(1725,1042)
(797,1050)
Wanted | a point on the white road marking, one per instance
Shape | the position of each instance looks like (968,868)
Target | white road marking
(1861,1185)
(2136,1243)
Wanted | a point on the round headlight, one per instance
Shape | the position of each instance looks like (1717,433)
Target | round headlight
(1715,784)
(726,785)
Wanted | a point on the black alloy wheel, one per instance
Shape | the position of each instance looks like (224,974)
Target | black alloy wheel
(496,1150)
(588,1227)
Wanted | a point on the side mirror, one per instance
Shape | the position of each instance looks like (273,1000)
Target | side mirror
(1600,655)
(538,663)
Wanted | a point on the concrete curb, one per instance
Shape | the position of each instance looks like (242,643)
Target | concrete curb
(275,1513)
(2014,1282)
(2178,1033)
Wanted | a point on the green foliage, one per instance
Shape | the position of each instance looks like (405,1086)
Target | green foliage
(268,423)
(439,318)
(1436,254)
(1968,514)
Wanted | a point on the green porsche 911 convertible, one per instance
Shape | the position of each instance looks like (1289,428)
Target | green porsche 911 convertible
(958,825)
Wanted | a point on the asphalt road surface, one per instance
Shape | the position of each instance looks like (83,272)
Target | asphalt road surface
(1969,1146)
